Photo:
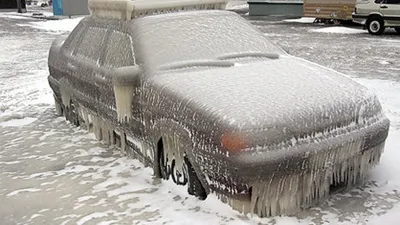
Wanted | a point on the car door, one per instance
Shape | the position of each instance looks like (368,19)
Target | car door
(119,53)
(84,66)
(390,10)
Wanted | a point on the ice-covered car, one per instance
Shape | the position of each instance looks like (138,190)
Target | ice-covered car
(377,15)
(208,101)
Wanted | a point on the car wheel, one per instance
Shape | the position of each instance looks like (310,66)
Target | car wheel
(180,176)
(397,30)
(375,25)
(194,185)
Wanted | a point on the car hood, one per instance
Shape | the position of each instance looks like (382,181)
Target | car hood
(288,94)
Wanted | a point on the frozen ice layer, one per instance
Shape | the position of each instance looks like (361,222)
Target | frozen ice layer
(210,102)
(128,9)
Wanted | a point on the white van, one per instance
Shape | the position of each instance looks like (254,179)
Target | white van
(376,15)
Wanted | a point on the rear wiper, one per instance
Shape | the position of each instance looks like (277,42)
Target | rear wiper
(195,63)
(269,55)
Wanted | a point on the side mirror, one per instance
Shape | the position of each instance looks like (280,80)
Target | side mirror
(128,75)
(125,80)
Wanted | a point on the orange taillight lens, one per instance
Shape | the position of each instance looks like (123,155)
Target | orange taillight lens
(234,142)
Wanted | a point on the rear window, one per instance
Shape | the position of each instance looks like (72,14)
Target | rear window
(91,45)
(119,50)
(73,39)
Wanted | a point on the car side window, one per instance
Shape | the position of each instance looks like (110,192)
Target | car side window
(119,51)
(379,1)
(91,45)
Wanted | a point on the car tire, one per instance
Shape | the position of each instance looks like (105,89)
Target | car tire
(194,186)
(397,30)
(375,25)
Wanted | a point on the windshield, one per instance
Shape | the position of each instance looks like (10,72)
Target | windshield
(200,35)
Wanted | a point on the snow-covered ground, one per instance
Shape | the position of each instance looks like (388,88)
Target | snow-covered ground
(301,20)
(339,30)
(55,173)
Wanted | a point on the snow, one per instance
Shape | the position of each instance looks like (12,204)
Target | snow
(16,192)
(383,62)
(339,30)
(301,20)
(237,5)
(18,122)
(13,15)
(57,25)
(388,218)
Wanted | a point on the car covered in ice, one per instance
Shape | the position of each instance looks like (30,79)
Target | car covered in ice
(209,102)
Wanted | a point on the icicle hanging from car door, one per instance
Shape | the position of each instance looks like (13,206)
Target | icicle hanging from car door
(123,100)
(125,79)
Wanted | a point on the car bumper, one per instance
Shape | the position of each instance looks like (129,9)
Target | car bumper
(301,156)
(360,19)
(304,173)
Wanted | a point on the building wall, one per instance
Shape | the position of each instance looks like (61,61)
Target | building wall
(70,7)
(275,7)
(11,4)
(75,7)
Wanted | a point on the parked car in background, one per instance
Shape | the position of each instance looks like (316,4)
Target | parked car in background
(377,15)
(208,101)
(38,3)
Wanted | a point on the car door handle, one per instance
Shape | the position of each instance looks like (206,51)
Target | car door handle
(384,7)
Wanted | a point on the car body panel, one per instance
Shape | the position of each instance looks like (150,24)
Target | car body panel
(390,12)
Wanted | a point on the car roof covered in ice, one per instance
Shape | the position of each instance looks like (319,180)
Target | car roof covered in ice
(129,9)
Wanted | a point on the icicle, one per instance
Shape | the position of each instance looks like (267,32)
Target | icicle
(105,132)
(58,107)
(287,194)
(123,143)
(85,116)
(96,127)
(123,99)
(65,96)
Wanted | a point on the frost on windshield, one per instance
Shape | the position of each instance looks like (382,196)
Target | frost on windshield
(194,36)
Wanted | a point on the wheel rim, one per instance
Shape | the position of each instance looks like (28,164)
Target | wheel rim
(375,26)
(178,174)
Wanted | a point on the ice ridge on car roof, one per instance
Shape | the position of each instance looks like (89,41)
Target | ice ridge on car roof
(129,9)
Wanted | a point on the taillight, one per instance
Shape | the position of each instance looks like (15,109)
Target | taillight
(234,142)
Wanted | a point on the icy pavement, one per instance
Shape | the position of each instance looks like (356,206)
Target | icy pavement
(54,173)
